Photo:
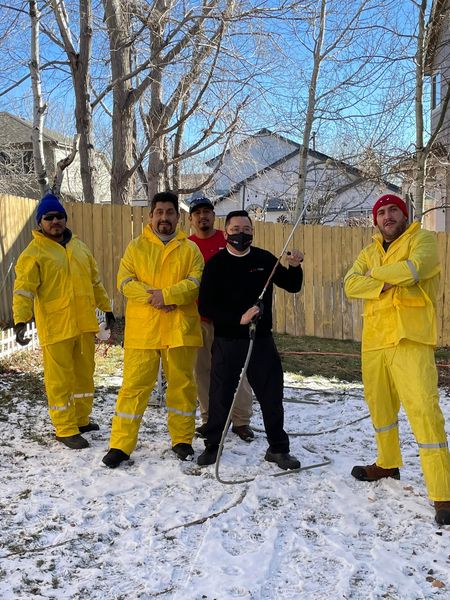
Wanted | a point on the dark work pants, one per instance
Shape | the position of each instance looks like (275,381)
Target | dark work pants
(265,376)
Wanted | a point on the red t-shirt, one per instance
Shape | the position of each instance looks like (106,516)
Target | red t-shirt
(210,246)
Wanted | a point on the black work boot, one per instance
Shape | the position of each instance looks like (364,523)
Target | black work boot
(200,431)
(442,512)
(283,459)
(89,427)
(374,473)
(245,432)
(114,457)
(183,451)
(74,442)
(208,456)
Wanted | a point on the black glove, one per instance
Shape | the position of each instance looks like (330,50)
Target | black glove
(20,330)
(260,305)
(110,320)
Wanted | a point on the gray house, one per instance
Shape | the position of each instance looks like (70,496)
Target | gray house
(17,175)
(260,175)
(438,69)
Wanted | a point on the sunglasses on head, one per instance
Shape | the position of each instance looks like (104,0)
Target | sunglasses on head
(59,216)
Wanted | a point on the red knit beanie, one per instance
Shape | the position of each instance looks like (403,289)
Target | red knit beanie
(388,199)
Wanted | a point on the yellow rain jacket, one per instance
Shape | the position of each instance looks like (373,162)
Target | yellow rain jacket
(63,287)
(176,269)
(408,309)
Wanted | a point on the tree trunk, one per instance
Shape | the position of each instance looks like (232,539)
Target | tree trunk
(83,111)
(80,68)
(38,107)
(122,181)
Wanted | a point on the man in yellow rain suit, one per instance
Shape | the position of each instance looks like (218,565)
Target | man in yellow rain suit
(398,278)
(160,277)
(57,278)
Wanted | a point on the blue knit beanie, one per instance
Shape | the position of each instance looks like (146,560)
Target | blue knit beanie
(49,203)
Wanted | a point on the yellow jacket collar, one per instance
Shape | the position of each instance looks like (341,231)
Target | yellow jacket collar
(150,235)
(412,228)
(39,236)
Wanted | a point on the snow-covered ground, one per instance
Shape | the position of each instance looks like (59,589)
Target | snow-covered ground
(160,528)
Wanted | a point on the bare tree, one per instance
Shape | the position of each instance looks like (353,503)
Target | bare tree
(38,114)
(39,107)
(352,67)
(79,60)
(189,78)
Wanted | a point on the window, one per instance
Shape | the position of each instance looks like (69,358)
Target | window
(435,90)
(28,162)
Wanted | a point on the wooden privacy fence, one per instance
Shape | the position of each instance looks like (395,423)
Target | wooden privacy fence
(320,309)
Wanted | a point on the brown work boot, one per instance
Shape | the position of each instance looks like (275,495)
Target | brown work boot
(374,473)
(244,432)
(442,512)
(74,442)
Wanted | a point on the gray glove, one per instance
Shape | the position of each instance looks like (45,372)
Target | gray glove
(20,330)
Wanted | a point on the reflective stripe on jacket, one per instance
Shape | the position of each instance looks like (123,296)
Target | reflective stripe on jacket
(408,309)
(176,269)
(62,286)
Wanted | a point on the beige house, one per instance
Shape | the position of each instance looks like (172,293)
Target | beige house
(17,175)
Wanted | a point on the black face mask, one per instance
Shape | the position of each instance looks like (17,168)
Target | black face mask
(241,241)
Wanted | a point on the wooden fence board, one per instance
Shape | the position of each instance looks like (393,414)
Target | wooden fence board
(327,282)
(349,309)
(299,299)
(108,259)
(280,295)
(336,282)
(289,299)
(269,244)
(117,252)
(318,282)
(97,248)
(308,263)
(87,234)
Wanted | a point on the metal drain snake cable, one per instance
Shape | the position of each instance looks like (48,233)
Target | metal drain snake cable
(252,330)
(326,461)
(316,433)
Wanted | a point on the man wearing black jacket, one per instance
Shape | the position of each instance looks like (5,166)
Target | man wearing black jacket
(232,281)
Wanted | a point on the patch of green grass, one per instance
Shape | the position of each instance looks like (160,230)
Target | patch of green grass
(336,359)
(332,359)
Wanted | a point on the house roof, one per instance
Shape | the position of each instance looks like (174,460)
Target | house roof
(435,24)
(16,130)
(259,133)
(321,158)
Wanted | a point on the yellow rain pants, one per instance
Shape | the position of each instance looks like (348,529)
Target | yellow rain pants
(140,370)
(69,382)
(407,374)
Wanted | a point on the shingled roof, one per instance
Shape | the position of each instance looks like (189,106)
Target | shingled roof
(16,130)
